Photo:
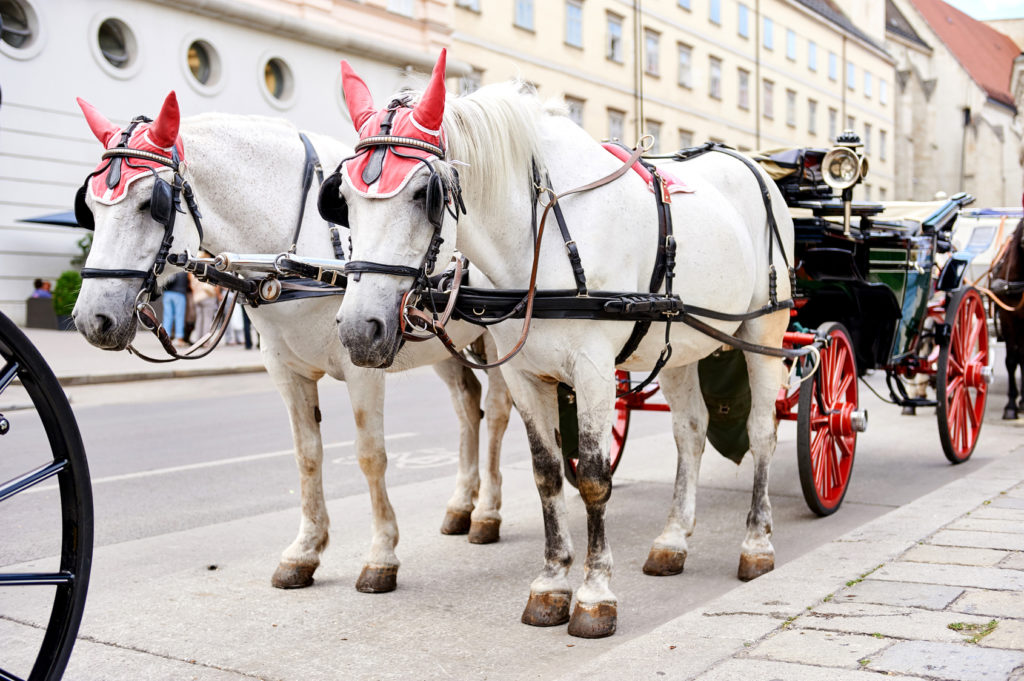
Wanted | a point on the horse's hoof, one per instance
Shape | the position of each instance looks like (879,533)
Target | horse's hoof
(377,580)
(755,564)
(547,609)
(455,522)
(293,576)
(664,562)
(484,531)
(593,621)
(910,410)
(1009,414)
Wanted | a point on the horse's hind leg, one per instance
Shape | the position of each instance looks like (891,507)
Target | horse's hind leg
(366,393)
(757,555)
(681,388)
(302,557)
(486,519)
(1010,411)
(465,393)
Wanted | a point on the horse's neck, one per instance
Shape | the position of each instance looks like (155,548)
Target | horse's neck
(244,173)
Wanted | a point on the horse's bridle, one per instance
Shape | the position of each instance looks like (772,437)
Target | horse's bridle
(442,195)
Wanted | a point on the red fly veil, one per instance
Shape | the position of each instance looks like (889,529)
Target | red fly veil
(157,138)
(422,122)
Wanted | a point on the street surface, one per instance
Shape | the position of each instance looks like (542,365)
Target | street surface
(196,495)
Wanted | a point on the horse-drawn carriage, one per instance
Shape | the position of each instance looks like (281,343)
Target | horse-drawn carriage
(869,291)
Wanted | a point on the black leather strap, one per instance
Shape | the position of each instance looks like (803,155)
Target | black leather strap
(99,273)
(356,267)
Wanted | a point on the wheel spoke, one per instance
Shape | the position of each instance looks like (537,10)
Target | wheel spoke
(7,375)
(817,454)
(844,385)
(846,445)
(23,482)
(36,579)
(7,676)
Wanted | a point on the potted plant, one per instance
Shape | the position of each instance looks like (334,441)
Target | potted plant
(65,294)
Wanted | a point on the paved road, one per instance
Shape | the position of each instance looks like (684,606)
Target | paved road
(186,479)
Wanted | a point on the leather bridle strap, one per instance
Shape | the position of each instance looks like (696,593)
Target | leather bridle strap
(97,273)
(221,320)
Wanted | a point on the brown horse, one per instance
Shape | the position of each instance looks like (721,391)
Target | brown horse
(1008,285)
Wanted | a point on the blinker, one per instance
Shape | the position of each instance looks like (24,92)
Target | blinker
(161,204)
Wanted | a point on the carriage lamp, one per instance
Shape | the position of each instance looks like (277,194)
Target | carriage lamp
(843,167)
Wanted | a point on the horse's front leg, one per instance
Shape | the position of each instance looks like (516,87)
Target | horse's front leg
(1010,411)
(366,393)
(596,611)
(486,519)
(681,388)
(550,594)
(757,555)
(302,557)
(464,389)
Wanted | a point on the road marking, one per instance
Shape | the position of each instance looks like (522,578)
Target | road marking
(212,464)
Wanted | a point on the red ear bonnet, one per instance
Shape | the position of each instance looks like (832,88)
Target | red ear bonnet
(164,129)
(392,169)
(98,123)
(430,109)
(155,138)
(357,96)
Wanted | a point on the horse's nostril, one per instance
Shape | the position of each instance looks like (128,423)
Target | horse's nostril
(105,323)
(375,329)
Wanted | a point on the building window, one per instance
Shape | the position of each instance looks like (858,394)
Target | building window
(743,99)
(614,47)
(575,106)
(812,56)
(277,78)
(651,42)
(812,117)
(791,108)
(685,4)
(743,26)
(833,66)
(833,123)
(881,193)
(850,123)
(883,91)
(18,24)
(851,76)
(616,124)
(653,128)
(471,82)
(685,66)
(715,12)
(403,7)
(685,139)
(867,191)
(769,99)
(524,14)
(203,63)
(469,4)
(769,40)
(117,43)
(883,139)
(714,78)
(867,84)
(790,44)
(574,22)
(867,138)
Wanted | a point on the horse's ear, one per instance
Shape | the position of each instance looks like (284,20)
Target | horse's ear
(98,123)
(430,109)
(357,96)
(164,130)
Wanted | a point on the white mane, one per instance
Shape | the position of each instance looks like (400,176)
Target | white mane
(494,132)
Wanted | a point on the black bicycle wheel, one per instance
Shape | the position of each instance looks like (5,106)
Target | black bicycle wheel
(66,461)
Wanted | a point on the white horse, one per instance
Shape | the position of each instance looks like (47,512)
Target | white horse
(247,173)
(492,137)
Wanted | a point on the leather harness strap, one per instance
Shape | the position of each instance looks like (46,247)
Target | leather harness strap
(311,166)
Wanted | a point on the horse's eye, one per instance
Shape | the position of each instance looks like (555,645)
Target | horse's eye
(420,194)
(144,206)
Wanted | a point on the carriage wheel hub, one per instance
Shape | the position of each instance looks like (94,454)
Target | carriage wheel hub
(977,375)
(844,422)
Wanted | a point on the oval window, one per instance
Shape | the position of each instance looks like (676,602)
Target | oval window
(117,43)
(203,62)
(277,78)
(15,24)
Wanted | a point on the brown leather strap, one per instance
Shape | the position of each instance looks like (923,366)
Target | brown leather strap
(221,319)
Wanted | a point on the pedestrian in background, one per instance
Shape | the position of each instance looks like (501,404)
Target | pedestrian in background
(42,289)
(174,307)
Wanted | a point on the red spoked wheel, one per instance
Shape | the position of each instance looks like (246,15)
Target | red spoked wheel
(827,439)
(962,375)
(620,429)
